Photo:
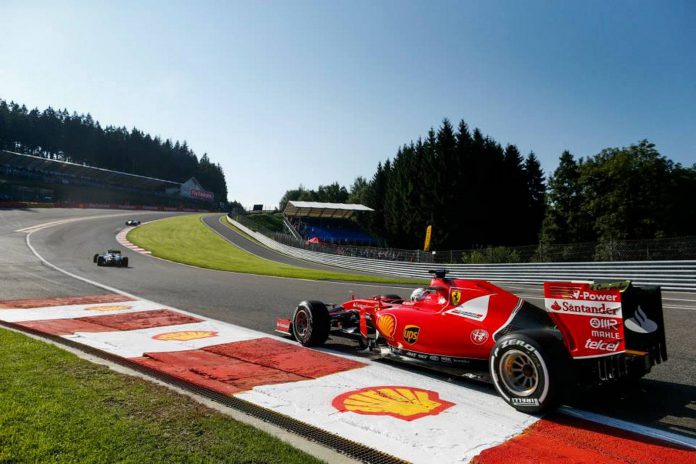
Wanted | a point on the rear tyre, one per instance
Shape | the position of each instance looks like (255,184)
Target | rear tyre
(124,262)
(528,372)
(95,258)
(311,323)
(392,296)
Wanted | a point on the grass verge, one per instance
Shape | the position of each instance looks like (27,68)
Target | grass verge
(59,408)
(185,239)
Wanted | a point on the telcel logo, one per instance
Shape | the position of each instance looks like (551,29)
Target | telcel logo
(601,345)
(603,323)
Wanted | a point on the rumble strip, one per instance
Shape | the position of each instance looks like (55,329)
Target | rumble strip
(410,416)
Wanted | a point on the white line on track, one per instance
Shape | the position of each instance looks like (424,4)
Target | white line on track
(586,415)
(630,426)
(84,218)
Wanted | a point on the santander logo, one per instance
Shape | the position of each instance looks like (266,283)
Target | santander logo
(640,323)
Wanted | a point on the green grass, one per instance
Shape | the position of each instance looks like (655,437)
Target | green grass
(268,221)
(58,408)
(185,239)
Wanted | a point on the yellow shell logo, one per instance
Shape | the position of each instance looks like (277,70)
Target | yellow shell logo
(404,403)
(386,324)
(108,308)
(185,335)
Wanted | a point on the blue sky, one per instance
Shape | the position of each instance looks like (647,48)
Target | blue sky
(283,93)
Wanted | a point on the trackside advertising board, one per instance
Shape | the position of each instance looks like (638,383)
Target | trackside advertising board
(589,317)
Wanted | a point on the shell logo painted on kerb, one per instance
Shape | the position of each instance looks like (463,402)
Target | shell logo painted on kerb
(405,403)
(108,308)
(185,335)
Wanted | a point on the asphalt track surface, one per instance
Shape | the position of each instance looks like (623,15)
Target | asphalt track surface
(665,399)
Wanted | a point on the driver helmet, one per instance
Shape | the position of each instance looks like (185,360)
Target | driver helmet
(418,294)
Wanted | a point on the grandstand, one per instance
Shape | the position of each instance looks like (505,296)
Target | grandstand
(327,223)
(28,178)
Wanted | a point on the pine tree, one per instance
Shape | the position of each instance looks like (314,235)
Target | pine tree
(536,196)
(563,209)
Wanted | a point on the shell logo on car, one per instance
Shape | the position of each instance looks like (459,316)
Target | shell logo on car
(185,335)
(386,324)
(108,308)
(405,403)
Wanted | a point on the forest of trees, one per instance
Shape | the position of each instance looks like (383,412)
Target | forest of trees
(620,194)
(80,139)
(476,193)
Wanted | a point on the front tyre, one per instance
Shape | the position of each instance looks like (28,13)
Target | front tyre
(527,373)
(124,262)
(311,323)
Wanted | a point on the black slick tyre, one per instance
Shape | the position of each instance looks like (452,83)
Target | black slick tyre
(100,261)
(311,323)
(124,262)
(527,372)
(95,258)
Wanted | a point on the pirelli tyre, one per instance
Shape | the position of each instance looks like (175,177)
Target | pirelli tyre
(311,323)
(95,258)
(124,262)
(100,261)
(528,372)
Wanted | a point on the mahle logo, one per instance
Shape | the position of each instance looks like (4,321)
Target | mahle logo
(411,334)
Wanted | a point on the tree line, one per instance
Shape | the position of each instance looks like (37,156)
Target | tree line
(477,193)
(78,138)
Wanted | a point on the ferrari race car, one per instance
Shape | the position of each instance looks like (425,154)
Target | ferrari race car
(588,334)
(132,222)
(111,258)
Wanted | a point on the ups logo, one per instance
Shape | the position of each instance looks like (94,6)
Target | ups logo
(411,334)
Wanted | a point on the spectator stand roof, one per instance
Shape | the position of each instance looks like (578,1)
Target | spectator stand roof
(313,209)
(37,163)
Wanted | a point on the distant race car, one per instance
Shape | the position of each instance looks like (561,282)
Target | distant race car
(132,222)
(111,258)
(589,334)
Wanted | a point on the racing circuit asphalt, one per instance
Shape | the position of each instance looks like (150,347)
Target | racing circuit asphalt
(666,398)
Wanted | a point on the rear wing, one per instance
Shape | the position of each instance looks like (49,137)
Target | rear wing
(603,319)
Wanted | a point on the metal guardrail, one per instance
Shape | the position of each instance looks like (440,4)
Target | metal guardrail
(670,275)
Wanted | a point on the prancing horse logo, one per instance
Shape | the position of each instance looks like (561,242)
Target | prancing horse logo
(456,297)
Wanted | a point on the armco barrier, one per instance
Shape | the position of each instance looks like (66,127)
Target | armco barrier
(670,275)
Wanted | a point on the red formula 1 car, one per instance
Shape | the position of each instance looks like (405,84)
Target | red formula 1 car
(588,333)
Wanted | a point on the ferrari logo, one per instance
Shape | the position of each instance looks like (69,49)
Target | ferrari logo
(456,297)
(411,333)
